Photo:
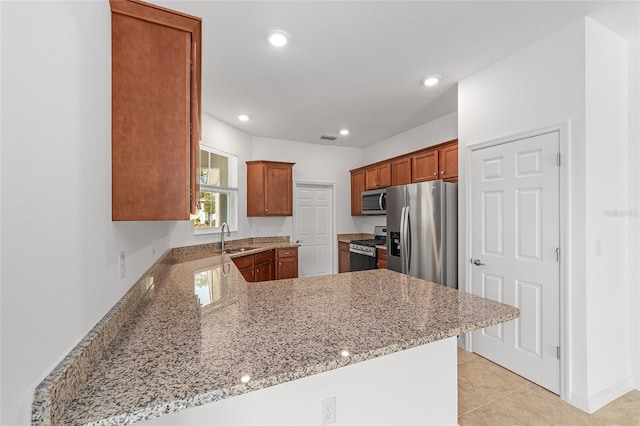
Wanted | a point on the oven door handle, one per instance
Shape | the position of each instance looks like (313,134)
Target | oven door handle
(365,253)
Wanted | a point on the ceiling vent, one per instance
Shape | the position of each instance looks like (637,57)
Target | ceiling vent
(328,137)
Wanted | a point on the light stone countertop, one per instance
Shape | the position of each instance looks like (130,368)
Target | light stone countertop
(347,238)
(199,328)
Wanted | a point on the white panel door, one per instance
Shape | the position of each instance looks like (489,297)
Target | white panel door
(313,229)
(515,232)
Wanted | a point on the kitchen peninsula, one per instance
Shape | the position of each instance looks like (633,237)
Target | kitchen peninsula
(192,331)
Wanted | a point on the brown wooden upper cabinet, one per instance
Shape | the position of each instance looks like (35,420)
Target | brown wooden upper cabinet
(401,172)
(435,162)
(448,161)
(424,166)
(269,188)
(378,176)
(438,163)
(357,186)
(155,109)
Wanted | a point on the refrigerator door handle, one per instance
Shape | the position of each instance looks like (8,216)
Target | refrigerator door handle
(403,254)
(407,226)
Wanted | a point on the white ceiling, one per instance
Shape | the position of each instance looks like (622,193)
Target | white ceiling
(359,64)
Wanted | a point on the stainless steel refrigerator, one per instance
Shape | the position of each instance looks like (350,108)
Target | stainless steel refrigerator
(422,231)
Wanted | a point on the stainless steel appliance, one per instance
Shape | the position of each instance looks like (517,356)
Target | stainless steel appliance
(422,231)
(374,202)
(363,253)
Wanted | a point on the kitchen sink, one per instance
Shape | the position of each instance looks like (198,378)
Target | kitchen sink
(239,249)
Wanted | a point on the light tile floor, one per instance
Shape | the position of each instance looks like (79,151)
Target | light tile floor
(491,395)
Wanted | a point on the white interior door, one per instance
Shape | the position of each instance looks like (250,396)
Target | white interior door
(515,219)
(313,223)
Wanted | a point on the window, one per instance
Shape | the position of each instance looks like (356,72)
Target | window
(218,198)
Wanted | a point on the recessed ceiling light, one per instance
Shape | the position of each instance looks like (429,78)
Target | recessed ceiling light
(243,117)
(278,38)
(431,80)
(344,132)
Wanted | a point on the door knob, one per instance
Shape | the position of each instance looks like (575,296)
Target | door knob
(478,262)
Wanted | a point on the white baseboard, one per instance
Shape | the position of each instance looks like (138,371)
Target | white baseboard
(599,400)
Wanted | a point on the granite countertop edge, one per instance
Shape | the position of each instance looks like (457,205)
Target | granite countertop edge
(52,396)
(61,386)
(164,408)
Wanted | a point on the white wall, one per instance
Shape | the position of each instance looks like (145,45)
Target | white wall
(314,163)
(549,82)
(633,159)
(608,287)
(432,133)
(221,136)
(59,246)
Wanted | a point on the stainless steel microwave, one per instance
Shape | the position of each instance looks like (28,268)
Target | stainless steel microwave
(374,202)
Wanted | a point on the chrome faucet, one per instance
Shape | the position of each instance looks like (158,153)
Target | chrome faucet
(222,234)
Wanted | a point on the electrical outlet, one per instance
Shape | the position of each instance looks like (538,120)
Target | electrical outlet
(328,411)
(122,269)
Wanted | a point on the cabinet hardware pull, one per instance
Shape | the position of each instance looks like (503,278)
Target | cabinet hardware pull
(442,172)
(435,173)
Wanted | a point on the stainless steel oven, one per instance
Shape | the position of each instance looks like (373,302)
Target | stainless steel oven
(363,253)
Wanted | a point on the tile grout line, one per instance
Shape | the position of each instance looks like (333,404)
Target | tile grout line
(494,400)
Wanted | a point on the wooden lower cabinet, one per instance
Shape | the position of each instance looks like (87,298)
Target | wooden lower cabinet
(286,263)
(246,267)
(382,258)
(278,264)
(256,267)
(344,257)
(264,266)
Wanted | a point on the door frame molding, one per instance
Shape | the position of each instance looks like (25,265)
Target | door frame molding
(564,130)
(322,184)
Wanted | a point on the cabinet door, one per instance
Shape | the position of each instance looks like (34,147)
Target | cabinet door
(263,271)
(382,258)
(344,257)
(371,178)
(278,190)
(401,172)
(152,144)
(357,186)
(264,265)
(287,263)
(384,175)
(448,162)
(424,166)
(248,274)
(378,177)
(287,268)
